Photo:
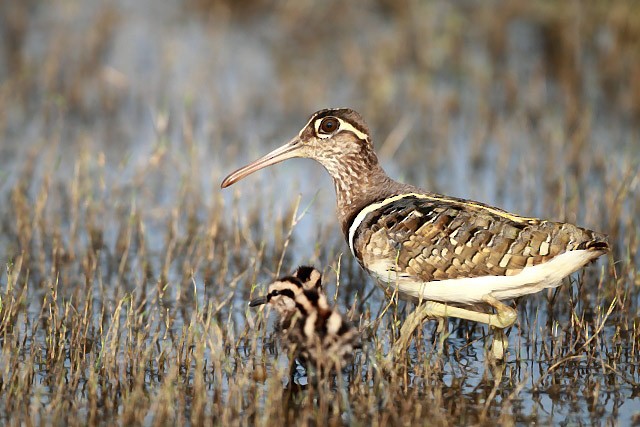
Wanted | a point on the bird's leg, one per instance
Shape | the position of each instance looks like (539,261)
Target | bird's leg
(508,316)
(442,333)
(505,316)
(410,324)
(499,344)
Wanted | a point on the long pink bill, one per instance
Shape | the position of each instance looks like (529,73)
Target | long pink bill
(287,151)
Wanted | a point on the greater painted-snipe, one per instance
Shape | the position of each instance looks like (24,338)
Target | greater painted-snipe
(305,278)
(310,328)
(448,253)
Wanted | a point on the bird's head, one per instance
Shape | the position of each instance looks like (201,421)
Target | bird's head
(329,137)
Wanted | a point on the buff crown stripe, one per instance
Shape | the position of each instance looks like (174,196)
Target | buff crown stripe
(344,126)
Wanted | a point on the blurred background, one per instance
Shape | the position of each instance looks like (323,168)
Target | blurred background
(455,92)
(119,119)
(521,104)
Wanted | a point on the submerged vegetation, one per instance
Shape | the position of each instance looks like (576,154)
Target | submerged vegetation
(127,272)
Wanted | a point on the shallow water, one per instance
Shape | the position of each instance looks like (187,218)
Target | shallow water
(145,107)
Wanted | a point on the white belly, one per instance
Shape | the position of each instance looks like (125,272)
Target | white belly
(472,290)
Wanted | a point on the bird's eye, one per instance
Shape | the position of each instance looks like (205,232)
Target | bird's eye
(328,125)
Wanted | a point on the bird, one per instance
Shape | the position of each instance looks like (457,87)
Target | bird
(448,254)
(310,277)
(304,278)
(310,328)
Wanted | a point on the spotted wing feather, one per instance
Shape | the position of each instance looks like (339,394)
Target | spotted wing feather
(432,239)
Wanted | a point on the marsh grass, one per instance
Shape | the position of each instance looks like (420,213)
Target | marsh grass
(127,273)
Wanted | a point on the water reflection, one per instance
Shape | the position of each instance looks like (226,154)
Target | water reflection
(120,119)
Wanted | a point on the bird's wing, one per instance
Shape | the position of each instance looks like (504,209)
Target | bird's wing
(435,238)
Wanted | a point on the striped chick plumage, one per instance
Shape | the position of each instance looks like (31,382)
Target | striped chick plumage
(308,326)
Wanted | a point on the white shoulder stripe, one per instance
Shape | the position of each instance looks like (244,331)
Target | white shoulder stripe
(364,212)
(374,206)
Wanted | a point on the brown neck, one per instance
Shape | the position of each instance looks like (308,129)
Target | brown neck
(359,181)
